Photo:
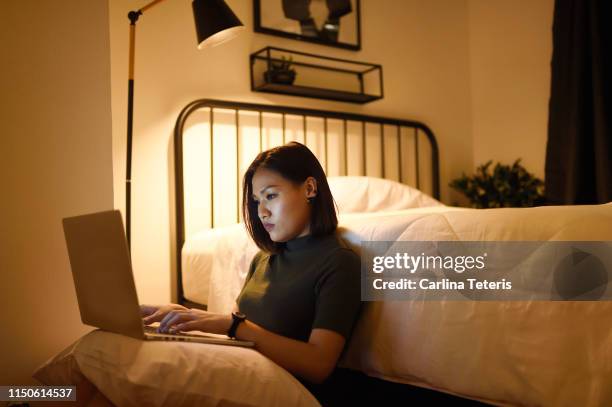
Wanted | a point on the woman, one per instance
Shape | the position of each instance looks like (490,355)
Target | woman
(301,296)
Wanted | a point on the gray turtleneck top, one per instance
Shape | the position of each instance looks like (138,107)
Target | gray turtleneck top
(313,283)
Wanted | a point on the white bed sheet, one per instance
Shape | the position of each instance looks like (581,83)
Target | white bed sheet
(534,353)
(220,257)
(506,353)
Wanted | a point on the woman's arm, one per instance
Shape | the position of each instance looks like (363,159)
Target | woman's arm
(313,360)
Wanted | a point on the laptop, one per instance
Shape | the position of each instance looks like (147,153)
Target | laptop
(104,282)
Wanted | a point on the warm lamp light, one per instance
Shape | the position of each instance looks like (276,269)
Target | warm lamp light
(215,23)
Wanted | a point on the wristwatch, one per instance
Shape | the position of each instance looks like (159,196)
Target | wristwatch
(237,317)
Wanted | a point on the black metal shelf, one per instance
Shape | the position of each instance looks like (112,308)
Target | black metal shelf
(319,93)
(318,76)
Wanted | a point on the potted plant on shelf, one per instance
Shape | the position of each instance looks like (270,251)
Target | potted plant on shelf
(507,186)
(280,71)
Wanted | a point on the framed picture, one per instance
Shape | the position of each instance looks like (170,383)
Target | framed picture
(335,23)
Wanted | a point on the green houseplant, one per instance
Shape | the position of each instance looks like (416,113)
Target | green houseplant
(280,71)
(506,186)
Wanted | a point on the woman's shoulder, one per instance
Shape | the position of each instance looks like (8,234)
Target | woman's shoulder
(259,257)
(342,249)
(339,270)
(257,261)
(342,258)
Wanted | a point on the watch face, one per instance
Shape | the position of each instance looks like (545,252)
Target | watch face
(239,315)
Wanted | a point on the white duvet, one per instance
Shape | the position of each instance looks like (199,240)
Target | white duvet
(514,353)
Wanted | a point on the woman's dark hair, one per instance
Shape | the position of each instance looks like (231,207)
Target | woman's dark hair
(294,162)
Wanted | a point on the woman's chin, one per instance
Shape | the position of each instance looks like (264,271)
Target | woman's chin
(275,237)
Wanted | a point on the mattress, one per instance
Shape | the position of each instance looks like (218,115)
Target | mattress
(220,257)
(506,353)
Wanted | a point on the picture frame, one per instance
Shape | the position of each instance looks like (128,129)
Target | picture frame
(334,23)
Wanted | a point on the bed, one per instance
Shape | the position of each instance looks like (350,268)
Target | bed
(384,176)
(228,135)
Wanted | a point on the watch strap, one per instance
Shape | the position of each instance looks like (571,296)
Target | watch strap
(237,319)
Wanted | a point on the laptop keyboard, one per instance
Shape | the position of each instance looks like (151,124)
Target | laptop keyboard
(153,330)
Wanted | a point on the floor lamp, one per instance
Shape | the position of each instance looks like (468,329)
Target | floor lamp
(215,23)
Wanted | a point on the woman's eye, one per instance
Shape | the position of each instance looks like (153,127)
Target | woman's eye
(268,197)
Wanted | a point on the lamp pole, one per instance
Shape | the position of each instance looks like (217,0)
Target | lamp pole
(133,16)
(211,18)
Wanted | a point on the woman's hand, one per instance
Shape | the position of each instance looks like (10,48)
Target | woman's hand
(195,319)
(155,313)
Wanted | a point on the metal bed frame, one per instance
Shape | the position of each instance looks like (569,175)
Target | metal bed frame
(283,111)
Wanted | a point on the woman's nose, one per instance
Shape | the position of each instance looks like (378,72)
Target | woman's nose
(263,211)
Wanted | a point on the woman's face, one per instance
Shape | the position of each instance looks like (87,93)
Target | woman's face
(282,206)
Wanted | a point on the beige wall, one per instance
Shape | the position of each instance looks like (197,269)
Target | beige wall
(475,71)
(56,162)
(510,54)
(423,47)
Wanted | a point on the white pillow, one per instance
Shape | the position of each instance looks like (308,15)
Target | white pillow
(132,372)
(370,194)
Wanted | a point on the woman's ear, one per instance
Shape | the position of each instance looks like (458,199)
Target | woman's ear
(311,187)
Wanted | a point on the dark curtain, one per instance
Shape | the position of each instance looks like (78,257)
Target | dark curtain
(579,147)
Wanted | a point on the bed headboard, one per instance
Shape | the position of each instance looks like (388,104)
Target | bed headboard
(215,141)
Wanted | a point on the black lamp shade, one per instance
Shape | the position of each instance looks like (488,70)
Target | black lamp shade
(215,22)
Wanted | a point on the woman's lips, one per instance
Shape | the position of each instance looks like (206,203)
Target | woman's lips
(268,226)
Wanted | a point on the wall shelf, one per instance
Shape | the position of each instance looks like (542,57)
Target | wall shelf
(317,76)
